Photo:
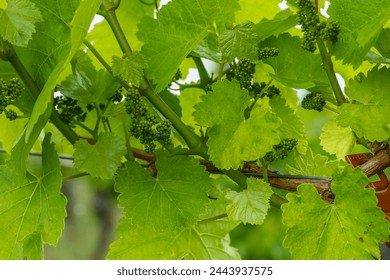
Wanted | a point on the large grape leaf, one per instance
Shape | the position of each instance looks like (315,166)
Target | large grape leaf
(17,21)
(102,158)
(295,67)
(350,228)
(32,209)
(292,126)
(250,205)
(367,118)
(239,42)
(336,139)
(232,138)
(175,198)
(360,25)
(180,26)
(206,239)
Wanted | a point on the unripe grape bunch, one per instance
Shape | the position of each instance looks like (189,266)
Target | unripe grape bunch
(9,93)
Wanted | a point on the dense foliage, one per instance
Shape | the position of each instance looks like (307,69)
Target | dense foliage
(191,161)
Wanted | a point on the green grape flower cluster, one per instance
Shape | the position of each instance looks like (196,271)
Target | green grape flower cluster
(257,89)
(272,91)
(264,53)
(281,150)
(243,72)
(314,101)
(68,110)
(309,21)
(9,92)
(330,30)
(145,126)
(312,28)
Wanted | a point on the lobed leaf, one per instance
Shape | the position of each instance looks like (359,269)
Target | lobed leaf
(87,84)
(232,138)
(32,209)
(311,165)
(250,205)
(101,159)
(342,230)
(295,67)
(130,69)
(360,25)
(292,126)
(175,198)
(17,21)
(366,118)
(239,42)
(204,240)
(336,139)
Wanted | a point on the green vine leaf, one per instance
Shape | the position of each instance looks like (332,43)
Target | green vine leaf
(295,67)
(101,159)
(359,27)
(188,243)
(172,36)
(342,230)
(239,42)
(175,198)
(130,69)
(209,48)
(204,240)
(87,84)
(32,209)
(366,117)
(282,21)
(17,21)
(292,126)
(311,165)
(336,139)
(232,138)
(252,204)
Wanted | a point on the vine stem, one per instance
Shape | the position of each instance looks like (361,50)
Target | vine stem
(75,176)
(204,76)
(327,64)
(215,218)
(98,56)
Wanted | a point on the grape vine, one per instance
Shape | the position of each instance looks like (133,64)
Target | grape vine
(192,159)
